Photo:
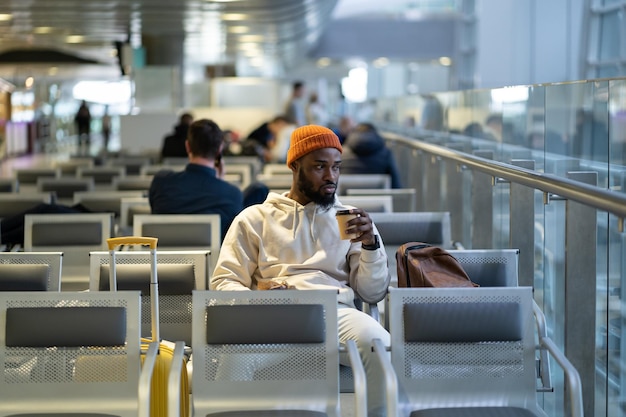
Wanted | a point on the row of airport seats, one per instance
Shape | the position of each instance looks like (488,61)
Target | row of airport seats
(453,352)
(78,234)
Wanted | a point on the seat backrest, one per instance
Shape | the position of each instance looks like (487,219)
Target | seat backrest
(178,273)
(454,347)
(65,187)
(102,175)
(9,185)
(26,271)
(276,169)
(147,170)
(132,182)
(351,181)
(13,204)
(379,204)
(265,350)
(74,234)
(31,175)
(253,161)
(75,352)
(129,207)
(490,267)
(182,231)
(132,164)
(104,201)
(69,168)
(404,199)
(398,228)
(243,172)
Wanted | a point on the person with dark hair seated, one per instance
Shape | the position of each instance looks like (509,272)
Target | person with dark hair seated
(365,152)
(200,187)
(174,143)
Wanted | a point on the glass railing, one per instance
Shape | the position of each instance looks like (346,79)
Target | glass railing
(547,176)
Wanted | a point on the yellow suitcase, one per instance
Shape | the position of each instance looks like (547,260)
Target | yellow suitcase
(158,393)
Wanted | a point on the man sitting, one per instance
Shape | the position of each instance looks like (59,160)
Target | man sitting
(292,241)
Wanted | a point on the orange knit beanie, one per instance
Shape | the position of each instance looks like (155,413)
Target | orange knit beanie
(309,138)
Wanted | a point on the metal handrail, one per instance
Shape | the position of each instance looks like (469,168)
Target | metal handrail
(598,198)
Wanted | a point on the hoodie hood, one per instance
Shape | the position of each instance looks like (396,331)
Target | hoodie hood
(365,143)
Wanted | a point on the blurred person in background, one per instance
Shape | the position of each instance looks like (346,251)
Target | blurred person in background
(365,152)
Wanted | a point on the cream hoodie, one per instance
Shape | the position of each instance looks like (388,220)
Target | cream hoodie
(284,241)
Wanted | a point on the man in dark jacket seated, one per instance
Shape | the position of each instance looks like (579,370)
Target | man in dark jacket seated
(200,187)
(365,152)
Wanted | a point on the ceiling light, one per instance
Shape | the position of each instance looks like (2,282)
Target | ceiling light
(252,38)
(234,16)
(42,30)
(445,61)
(75,39)
(238,29)
(323,62)
(5,17)
(28,83)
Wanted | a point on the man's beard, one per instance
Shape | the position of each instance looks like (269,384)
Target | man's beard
(306,187)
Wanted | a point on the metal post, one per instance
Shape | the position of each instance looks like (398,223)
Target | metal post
(580,289)
(454,198)
(522,225)
(482,206)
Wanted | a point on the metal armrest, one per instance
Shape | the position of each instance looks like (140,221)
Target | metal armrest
(358,371)
(173,380)
(571,374)
(390,380)
(145,379)
(544,357)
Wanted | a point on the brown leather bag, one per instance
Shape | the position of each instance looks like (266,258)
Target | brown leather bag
(424,265)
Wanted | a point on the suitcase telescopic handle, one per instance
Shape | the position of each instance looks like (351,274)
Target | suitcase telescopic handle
(114,242)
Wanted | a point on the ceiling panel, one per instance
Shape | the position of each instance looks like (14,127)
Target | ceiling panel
(209,32)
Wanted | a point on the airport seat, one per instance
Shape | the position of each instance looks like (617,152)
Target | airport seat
(276,183)
(9,185)
(65,187)
(175,161)
(129,207)
(74,234)
(103,176)
(30,271)
(104,201)
(466,352)
(239,174)
(132,182)
(69,168)
(29,176)
(12,204)
(132,164)
(268,353)
(356,181)
(398,228)
(149,170)
(489,267)
(179,273)
(379,204)
(73,353)
(276,169)
(254,162)
(182,232)
(404,199)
